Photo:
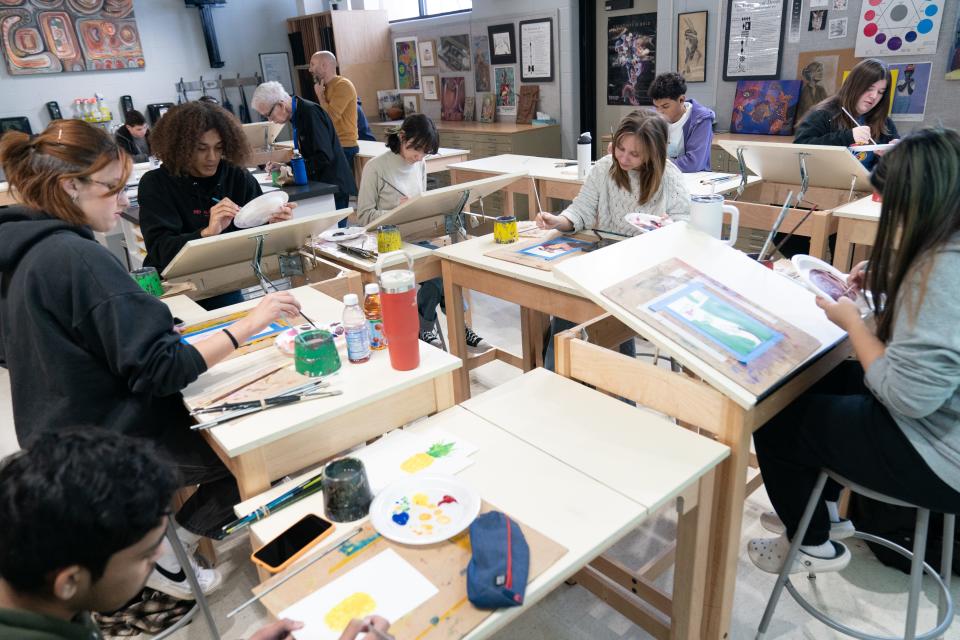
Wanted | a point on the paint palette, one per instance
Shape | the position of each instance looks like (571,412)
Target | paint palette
(824,279)
(424,509)
(259,210)
(646,222)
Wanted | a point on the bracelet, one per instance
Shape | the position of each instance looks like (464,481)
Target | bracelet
(236,345)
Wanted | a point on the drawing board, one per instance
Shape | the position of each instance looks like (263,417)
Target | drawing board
(260,135)
(444,200)
(828,167)
(542,250)
(239,246)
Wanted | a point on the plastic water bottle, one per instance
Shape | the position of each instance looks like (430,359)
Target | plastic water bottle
(355,330)
(584,145)
(371,309)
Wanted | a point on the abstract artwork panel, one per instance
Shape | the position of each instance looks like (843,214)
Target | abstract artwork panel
(765,107)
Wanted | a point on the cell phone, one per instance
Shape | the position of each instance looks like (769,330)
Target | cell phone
(53,109)
(285,549)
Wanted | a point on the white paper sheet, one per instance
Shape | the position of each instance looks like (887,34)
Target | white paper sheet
(385,459)
(385,585)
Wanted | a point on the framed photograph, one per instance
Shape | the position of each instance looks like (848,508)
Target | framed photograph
(411,104)
(754,42)
(536,50)
(692,46)
(276,67)
(427,55)
(430,88)
(406,65)
(503,46)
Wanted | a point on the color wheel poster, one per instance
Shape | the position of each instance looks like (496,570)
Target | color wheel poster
(898,27)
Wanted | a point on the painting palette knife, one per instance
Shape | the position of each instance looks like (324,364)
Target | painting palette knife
(386,585)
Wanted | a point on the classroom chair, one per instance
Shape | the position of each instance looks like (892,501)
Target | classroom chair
(201,600)
(918,566)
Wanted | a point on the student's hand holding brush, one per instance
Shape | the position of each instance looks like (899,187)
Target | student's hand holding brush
(857,278)
(552,221)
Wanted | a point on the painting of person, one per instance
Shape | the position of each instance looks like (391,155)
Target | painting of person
(812,91)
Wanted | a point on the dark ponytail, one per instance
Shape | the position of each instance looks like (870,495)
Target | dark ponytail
(418,131)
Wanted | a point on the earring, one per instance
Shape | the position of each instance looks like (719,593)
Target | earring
(75,197)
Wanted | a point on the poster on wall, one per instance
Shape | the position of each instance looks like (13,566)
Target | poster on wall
(796,19)
(407,65)
(54,37)
(910,90)
(631,58)
(754,39)
(898,27)
(692,46)
(454,53)
(820,75)
(765,107)
(536,50)
(453,98)
(481,64)
(953,62)
(506,89)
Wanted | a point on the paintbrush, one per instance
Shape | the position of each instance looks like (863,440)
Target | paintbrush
(402,194)
(776,227)
(479,215)
(293,573)
(856,124)
(536,193)
(263,407)
(792,231)
(380,634)
(719,179)
(301,490)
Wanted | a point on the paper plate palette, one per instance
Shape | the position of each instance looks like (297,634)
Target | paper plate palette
(339,235)
(646,222)
(260,209)
(424,509)
(823,278)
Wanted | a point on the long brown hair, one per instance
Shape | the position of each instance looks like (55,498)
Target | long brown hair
(920,213)
(861,77)
(651,131)
(65,149)
(176,134)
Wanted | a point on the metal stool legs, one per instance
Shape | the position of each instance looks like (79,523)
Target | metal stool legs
(439,330)
(945,609)
(201,600)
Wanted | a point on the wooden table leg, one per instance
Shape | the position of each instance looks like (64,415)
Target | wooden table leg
(727,518)
(250,470)
(456,339)
(841,260)
(443,391)
(820,234)
(531,337)
(690,573)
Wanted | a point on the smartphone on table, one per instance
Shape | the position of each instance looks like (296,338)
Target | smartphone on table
(292,544)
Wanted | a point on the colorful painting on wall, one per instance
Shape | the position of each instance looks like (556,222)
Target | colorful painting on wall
(899,27)
(481,64)
(953,62)
(631,58)
(76,35)
(910,90)
(453,98)
(765,107)
(407,66)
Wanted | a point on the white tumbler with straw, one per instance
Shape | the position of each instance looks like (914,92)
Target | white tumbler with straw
(584,147)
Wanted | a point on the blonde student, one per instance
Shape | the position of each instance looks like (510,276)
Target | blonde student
(635,177)
(888,420)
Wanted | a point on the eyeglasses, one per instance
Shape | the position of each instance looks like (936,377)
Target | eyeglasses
(110,186)
(270,113)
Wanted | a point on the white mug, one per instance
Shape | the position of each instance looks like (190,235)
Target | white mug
(706,214)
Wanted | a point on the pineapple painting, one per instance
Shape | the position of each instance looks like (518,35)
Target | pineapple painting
(420,461)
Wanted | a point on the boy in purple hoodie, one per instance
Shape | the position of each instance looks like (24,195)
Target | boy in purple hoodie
(691,123)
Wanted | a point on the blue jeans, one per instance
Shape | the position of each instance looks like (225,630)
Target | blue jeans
(557,325)
(343,199)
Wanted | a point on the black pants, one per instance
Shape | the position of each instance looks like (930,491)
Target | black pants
(839,424)
(212,505)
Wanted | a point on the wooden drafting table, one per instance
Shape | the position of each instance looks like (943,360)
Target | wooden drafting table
(713,402)
(857,224)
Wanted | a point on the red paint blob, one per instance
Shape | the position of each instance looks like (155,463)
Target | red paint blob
(870,15)
(870,30)
(447,500)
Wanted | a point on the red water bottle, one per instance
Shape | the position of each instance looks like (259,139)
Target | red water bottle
(401,323)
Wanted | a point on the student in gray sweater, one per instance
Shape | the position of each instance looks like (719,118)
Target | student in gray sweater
(895,430)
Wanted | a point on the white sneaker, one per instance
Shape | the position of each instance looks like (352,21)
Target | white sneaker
(474,342)
(174,582)
(769,553)
(838,530)
(431,338)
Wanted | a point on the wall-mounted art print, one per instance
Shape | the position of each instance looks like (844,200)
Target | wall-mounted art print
(453,98)
(766,107)
(910,90)
(536,50)
(899,27)
(692,46)
(506,90)
(430,88)
(631,58)
(503,45)
(406,64)
(44,36)
(426,50)
(754,39)
(953,62)
(454,53)
(481,64)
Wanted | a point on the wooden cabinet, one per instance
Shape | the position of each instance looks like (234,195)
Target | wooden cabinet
(361,42)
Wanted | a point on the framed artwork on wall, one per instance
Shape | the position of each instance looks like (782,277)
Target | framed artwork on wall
(276,66)
(753,47)
(692,46)
(536,50)
(427,54)
(411,104)
(406,65)
(430,88)
(503,46)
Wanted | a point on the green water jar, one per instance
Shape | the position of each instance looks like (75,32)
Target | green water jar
(315,353)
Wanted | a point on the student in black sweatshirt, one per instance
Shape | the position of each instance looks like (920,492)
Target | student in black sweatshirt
(133,136)
(82,342)
(202,183)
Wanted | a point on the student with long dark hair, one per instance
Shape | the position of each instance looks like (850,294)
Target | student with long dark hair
(888,420)
(865,96)
(83,343)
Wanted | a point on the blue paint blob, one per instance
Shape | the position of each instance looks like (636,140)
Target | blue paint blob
(434,620)
(925,26)
(911,36)
(401,518)
(931,10)
(350,548)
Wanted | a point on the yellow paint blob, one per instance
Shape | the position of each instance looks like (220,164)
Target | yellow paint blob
(425,516)
(421,499)
(443,520)
(416,462)
(357,605)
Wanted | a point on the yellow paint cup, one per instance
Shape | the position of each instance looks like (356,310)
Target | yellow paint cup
(505,230)
(388,238)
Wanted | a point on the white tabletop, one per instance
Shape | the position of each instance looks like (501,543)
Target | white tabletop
(373,148)
(636,452)
(471,253)
(184,308)
(361,384)
(862,209)
(780,296)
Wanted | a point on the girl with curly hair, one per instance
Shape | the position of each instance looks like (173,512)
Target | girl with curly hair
(202,183)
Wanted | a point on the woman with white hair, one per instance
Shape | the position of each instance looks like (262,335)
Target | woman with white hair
(313,135)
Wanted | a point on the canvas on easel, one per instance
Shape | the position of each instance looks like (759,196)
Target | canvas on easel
(750,345)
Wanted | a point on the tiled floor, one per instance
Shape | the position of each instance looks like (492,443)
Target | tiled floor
(866,594)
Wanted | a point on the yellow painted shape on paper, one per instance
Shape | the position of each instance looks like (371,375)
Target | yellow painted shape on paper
(417,462)
(357,605)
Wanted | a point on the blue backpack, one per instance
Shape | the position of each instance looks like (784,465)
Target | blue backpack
(497,573)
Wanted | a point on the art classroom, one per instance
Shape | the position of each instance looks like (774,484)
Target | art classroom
(408,319)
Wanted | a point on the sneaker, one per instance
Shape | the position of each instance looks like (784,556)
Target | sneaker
(431,338)
(475,342)
(174,583)
(769,553)
(838,530)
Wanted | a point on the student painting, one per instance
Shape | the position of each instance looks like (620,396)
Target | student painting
(690,123)
(202,183)
(635,177)
(83,343)
(391,179)
(864,96)
(134,137)
(888,420)
(79,536)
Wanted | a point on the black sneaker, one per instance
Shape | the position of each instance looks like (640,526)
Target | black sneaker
(431,338)
(474,341)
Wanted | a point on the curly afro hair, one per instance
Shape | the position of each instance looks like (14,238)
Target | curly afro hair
(667,86)
(174,136)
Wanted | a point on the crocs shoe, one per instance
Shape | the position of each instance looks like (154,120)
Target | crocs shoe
(838,530)
(769,553)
